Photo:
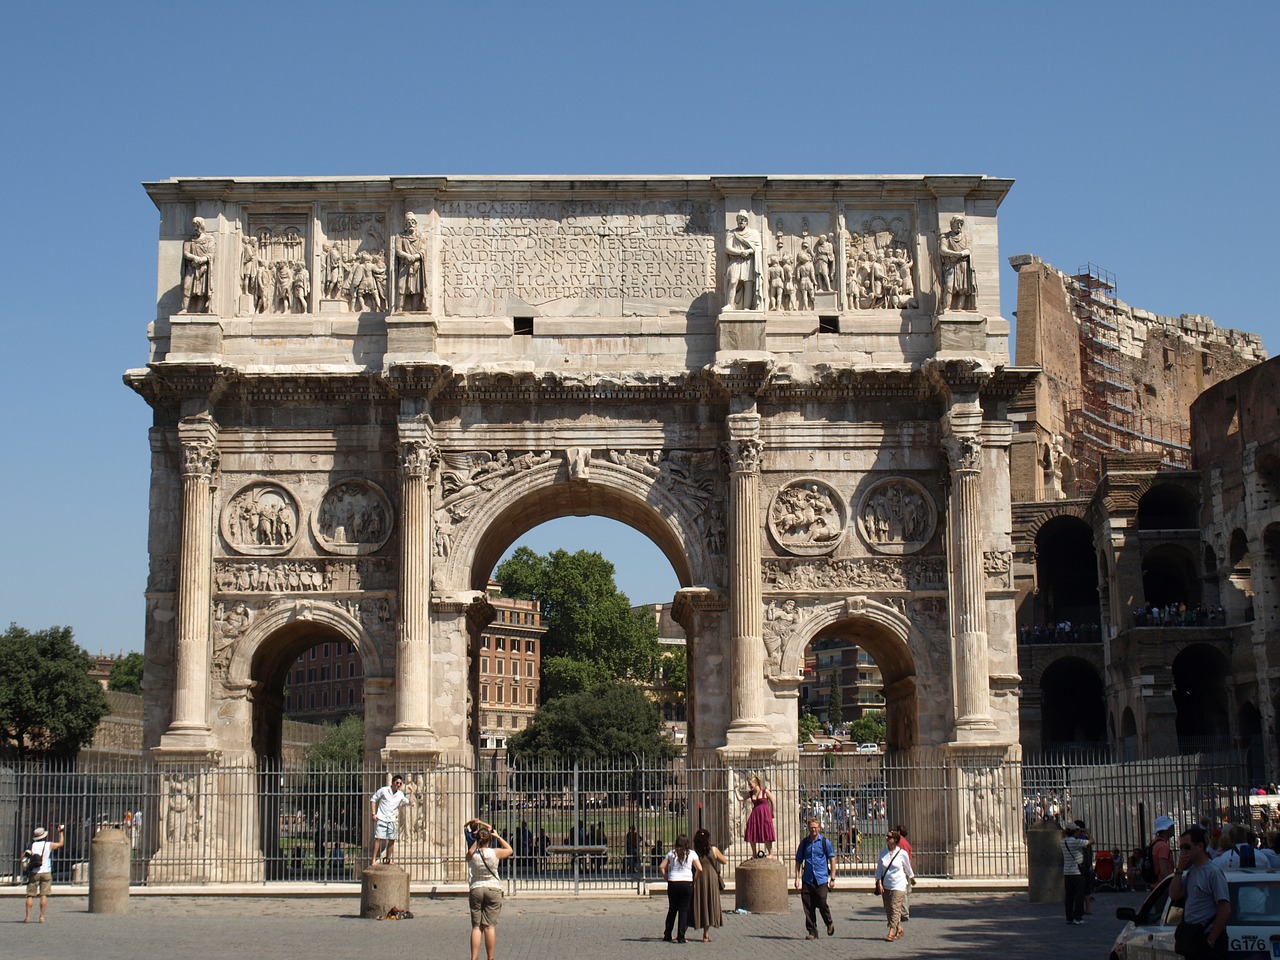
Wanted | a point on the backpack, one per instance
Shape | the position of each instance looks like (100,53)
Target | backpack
(31,863)
(1147,864)
(1244,851)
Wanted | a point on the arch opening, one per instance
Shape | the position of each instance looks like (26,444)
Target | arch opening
(1200,696)
(1067,576)
(1169,577)
(1167,506)
(1073,706)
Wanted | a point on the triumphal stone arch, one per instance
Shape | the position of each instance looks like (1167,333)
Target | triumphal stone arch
(366,389)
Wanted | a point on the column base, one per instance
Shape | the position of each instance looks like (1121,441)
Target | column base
(411,743)
(748,734)
(189,741)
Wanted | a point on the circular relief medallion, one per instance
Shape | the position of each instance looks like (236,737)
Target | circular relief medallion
(807,518)
(260,520)
(354,518)
(897,517)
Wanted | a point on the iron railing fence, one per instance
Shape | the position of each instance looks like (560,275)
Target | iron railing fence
(583,827)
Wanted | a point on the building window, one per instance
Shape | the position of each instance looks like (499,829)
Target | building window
(515,668)
(324,697)
(529,697)
(311,675)
(311,701)
(529,647)
(484,664)
(501,643)
(484,643)
(325,652)
(484,693)
(351,696)
(324,673)
(499,692)
(313,653)
(499,666)
(337,672)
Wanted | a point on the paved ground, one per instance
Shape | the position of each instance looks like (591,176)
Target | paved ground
(943,925)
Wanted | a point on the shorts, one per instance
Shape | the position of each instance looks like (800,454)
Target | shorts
(386,830)
(41,884)
(486,905)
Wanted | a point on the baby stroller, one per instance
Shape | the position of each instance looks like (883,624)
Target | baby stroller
(1106,875)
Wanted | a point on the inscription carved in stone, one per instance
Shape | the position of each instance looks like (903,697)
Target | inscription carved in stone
(807,517)
(896,516)
(261,519)
(354,518)
(567,259)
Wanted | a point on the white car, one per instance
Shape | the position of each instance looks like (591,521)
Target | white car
(868,748)
(1253,932)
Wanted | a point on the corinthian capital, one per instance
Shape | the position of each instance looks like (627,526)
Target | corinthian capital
(963,453)
(743,456)
(199,458)
(418,457)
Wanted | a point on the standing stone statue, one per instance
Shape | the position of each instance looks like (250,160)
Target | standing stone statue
(197,263)
(411,267)
(959,287)
(824,263)
(745,253)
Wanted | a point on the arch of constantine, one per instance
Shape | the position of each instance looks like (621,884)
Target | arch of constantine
(365,389)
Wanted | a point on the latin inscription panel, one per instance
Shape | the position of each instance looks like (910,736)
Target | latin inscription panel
(589,258)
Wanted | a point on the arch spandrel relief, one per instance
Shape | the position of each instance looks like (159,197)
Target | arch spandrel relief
(791,622)
(807,518)
(897,517)
(261,519)
(353,518)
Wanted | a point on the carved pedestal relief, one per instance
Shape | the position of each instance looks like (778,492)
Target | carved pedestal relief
(354,518)
(807,518)
(261,519)
(896,517)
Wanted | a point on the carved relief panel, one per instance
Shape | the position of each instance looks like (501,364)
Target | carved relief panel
(880,261)
(800,261)
(807,518)
(896,516)
(260,520)
(275,273)
(353,261)
(579,258)
(354,518)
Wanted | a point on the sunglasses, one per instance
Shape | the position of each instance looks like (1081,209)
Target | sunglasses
(1185,846)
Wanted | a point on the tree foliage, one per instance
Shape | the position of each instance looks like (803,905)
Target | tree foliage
(606,722)
(809,726)
(868,729)
(592,633)
(342,745)
(835,705)
(126,674)
(48,702)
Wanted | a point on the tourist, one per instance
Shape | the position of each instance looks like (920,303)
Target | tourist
(385,806)
(759,830)
(1086,866)
(905,846)
(707,884)
(1202,934)
(1073,878)
(40,874)
(1161,854)
(678,868)
(485,888)
(815,876)
(893,877)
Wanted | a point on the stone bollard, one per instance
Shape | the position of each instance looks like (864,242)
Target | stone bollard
(761,886)
(1044,862)
(109,872)
(383,886)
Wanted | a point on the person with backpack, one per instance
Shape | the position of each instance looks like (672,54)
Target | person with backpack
(38,861)
(815,877)
(1073,879)
(1161,852)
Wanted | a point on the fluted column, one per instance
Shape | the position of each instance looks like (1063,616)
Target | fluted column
(968,579)
(190,724)
(746,610)
(412,730)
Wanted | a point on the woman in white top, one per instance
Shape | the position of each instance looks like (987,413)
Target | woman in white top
(893,876)
(678,867)
(485,887)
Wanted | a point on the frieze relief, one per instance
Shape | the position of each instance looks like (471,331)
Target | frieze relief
(873,573)
(353,260)
(575,258)
(274,277)
(302,576)
(896,516)
(354,518)
(879,271)
(261,519)
(807,518)
(998,566)
(163,575)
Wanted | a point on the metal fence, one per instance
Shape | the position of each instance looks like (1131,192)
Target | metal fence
(578,828)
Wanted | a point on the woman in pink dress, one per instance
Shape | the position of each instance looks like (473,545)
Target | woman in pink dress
(759,829)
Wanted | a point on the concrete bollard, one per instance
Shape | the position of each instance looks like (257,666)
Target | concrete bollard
(109,872)
(761,886)
(1044,862)
(382,887)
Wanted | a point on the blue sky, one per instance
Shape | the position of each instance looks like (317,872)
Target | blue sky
(1142,137)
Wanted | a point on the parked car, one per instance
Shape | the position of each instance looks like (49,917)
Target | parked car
(1253,932)
(868,748)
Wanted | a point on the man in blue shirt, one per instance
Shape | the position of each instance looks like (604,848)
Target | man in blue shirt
(1208,901)
(815,875)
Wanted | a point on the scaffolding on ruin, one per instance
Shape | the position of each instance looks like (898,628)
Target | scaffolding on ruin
(1106,416)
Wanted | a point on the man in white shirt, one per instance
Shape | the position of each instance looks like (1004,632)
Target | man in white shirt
(385,806)
(40,877)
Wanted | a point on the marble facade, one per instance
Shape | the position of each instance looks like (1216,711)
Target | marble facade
(366,389)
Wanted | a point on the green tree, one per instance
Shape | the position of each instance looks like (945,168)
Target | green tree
(868,729)
(810,726)
(835,705)
(126,674)
(341,746)
(48,703)
(592,634)
(606,722)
